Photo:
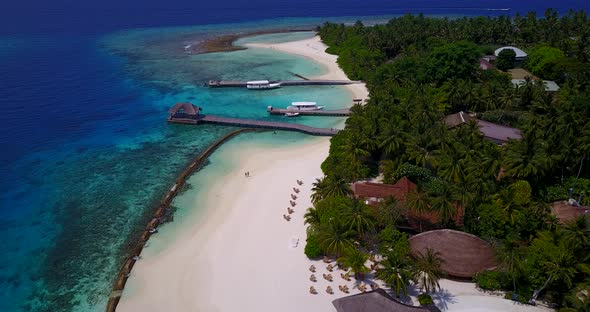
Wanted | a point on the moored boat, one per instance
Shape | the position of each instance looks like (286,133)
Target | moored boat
(304,106)
(262,85)
(291,114)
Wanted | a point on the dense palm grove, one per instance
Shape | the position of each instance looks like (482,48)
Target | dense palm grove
(420,69)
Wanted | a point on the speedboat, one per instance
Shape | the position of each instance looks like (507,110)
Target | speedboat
(291,114)
(304,106)
(262,85)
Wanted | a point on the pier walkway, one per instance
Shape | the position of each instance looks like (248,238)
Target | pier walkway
(284,83)
(336,112)
(272,125)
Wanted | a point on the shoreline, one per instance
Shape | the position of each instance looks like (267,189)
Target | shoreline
(225,43)
(190,268)
(314,49)
(241,247)
(161,216)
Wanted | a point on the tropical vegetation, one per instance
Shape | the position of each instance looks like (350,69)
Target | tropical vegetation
(418,70)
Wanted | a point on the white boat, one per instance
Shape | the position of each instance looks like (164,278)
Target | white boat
(262,85)
(291,114)
(304,106)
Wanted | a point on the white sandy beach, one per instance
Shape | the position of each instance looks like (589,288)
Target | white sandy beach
(314,49)
(239,255)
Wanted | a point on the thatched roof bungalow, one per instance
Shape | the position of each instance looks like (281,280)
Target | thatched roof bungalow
(464,254)
(566,212)
(376,301)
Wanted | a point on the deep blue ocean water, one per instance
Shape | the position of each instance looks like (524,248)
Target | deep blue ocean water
(85,152)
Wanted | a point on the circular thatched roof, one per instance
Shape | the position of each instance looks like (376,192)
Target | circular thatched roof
(463,254)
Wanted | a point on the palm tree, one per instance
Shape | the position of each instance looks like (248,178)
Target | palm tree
(526,158)
(389,211)
(427,270)
(391,138)
(355,260)
(396,272)
(356,146)
(335,238)
(358,217)
(312,217)
(329,187)
(580,298)
(577,232)
(444,204)
(559,268)
(510,256)
(419,203)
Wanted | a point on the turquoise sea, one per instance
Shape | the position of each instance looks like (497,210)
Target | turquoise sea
(87,203)
(85,150)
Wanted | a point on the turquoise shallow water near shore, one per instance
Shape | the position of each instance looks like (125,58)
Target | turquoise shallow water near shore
(87,202)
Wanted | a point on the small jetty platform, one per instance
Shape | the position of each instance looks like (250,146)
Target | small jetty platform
(187,113)
(335,112)
(317,82)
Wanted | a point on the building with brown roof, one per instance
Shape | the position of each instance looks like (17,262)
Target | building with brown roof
(184,113)
(376,301)
(566,212)
(496,133)
(373,193)
(464,254)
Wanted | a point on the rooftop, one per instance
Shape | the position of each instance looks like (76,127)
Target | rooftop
(494,132)
(398,190)
(566,212)
(520,73)
(519,53)
(550,86)
(464,254)
(187,108)
(376,301)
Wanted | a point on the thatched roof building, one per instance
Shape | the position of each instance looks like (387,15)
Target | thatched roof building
(376,301)
(566,212)
(184,113)
(464,254)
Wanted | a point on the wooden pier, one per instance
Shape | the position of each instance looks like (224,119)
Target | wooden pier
(187,113)
(335,112)
(260,124)
(284,83)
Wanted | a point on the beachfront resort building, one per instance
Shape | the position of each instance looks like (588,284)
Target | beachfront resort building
(376,301)
(496,133)
(186,113)
(464,254)
(374,193)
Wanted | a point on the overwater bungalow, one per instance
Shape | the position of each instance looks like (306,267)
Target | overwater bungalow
(185,113)
(464,254)
(376,301)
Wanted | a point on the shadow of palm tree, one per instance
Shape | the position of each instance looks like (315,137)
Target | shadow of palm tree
(442,298)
